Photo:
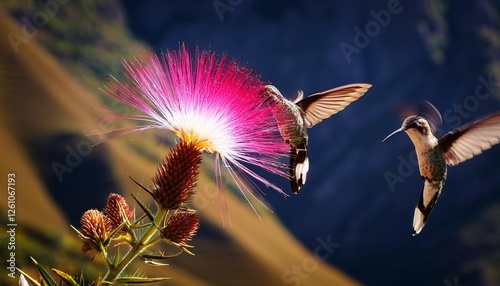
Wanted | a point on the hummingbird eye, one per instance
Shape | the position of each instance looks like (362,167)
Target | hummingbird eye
(416,125)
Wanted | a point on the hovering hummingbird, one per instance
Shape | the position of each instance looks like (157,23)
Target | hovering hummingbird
(434,155)
(294,116)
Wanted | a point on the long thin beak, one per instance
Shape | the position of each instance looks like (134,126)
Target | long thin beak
(392,134)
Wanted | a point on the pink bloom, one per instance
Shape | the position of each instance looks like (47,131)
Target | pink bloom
(209,101)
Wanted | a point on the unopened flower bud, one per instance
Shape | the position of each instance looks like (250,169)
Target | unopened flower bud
(181,227)
(94,230)
(176,176)
(118,211)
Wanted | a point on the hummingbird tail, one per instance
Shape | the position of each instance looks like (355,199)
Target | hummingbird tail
(428,199)
(299,166)
(418,221)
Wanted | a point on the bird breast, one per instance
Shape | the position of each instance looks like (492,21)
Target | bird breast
(290,122)
(432,165)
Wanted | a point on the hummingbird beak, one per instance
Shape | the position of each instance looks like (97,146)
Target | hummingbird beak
(392,134)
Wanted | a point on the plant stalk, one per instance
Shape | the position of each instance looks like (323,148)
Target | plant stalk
(141,245)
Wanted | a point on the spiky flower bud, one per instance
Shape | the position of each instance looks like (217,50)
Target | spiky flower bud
(94,230)
(181,227)
(176,176)
(118,211)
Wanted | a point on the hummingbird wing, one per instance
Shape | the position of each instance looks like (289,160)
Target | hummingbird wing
(426,110)
(429,197)
(470,139)
(319,106)
(299,95)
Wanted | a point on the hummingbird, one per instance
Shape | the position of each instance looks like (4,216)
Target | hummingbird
(294,116)
(434,155)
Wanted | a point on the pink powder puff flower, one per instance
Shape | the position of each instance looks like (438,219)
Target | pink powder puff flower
(209,101)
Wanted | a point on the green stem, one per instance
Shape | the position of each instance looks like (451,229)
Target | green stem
(141,245)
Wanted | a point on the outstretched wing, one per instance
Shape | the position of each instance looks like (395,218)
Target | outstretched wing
(320,106)
(470,139)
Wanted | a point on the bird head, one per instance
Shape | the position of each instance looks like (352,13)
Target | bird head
(419,131)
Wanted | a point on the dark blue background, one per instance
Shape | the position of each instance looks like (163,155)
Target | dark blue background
(438,51)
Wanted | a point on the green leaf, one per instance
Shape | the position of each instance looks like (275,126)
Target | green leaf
(117,257)
(146,210)
(159,256)
(124,216)
(154,263)
(78,232)
(140,280)
(113,232)
(45,275)
(31,279)
(144,188)
(66,277)
(138,221)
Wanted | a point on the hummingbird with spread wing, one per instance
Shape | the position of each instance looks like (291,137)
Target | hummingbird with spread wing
(294,116)
(434,155)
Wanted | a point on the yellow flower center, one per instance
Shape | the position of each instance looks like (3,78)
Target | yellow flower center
(191,137)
